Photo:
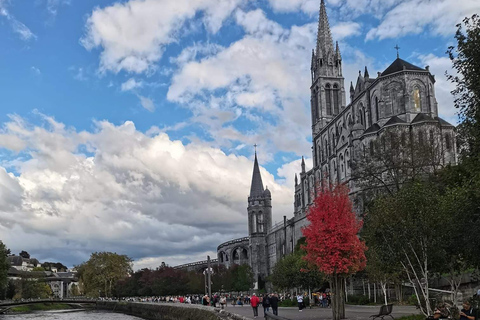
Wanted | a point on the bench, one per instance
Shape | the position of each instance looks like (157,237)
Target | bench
(385,310)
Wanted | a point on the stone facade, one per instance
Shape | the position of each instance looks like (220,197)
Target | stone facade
(399,100)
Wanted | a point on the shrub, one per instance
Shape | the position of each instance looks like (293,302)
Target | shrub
(358,299)
(412,300)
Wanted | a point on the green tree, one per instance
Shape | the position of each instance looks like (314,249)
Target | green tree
(102,271)
(29,287)
(412,227)
(4,266)
(241,278)
(466,61)
(292,271)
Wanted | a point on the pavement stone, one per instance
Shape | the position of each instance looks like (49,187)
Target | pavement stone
(351,312)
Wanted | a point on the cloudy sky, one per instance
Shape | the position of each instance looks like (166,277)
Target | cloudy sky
(128,126)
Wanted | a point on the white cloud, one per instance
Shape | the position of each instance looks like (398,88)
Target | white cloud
(35,70)
(344,30)
(133,35)
(18,27)
(308,6)
(440,18)
(265,75)
(146,196)
(147,103)
(131,84)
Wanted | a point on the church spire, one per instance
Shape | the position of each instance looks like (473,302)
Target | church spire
(338,56)
(324,37)
(256,189)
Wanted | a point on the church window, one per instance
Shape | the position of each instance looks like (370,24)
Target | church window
(431,137)
(448,142)
(328,99)
(376,108)
(260,222)
(325,147)
(335,99)
(417,99)
(314,105)
(391,102)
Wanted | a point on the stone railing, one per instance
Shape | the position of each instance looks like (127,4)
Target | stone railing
(244,239)
(197,263)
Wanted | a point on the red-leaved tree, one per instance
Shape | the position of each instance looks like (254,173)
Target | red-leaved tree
(332,243)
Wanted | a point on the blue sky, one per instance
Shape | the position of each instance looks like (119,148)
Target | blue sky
(145,112)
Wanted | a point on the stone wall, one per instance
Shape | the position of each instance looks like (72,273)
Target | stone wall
(168,311)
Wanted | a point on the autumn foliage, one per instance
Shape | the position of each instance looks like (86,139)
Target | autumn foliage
(332,241)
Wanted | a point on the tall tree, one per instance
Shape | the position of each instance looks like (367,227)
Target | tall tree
(4,266)
(466,61)
(24,254)
(101,272)
(332,244)
(414,227)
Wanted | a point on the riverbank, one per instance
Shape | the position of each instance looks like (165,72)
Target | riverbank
(40,307)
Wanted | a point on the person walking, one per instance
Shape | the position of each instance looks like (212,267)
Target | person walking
(254,301)
(223,302)
(266,304)
(274,303)
(300,302)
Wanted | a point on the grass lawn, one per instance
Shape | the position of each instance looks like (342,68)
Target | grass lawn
(41,307)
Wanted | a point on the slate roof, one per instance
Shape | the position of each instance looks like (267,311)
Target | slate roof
(444,123)
(373,128)
(256,189)
(394,120)
(400,65)
(422,117)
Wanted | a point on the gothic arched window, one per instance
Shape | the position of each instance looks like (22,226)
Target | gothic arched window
(328,99)
(336,93)
(315,105)
(417,99)
(260,222)
(376,108)
(447,142)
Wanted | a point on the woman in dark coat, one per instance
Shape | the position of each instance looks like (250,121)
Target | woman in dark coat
(274,303)
(266,304)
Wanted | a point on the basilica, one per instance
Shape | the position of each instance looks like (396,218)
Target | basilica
(400,99)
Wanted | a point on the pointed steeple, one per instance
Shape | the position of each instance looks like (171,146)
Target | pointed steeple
(324,37)
(256,190)
(313,60)
(366,75)
(352,91)
(296,180)
(338,56)
(303,165)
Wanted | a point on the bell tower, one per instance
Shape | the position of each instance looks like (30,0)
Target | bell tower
(259,223)
(328,89)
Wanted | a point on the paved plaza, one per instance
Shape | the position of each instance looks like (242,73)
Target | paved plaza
(352,312)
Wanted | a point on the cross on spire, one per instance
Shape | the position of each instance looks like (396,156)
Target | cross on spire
(398,48)
(255,145)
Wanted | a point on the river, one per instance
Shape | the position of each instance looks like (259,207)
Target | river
(68,315)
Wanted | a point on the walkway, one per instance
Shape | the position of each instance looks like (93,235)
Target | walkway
(352,312)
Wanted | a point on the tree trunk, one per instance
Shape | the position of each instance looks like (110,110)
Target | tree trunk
(369,292)
(337,285)
(384,289)
(375,292)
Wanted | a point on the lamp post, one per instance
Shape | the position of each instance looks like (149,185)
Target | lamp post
(209,275)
